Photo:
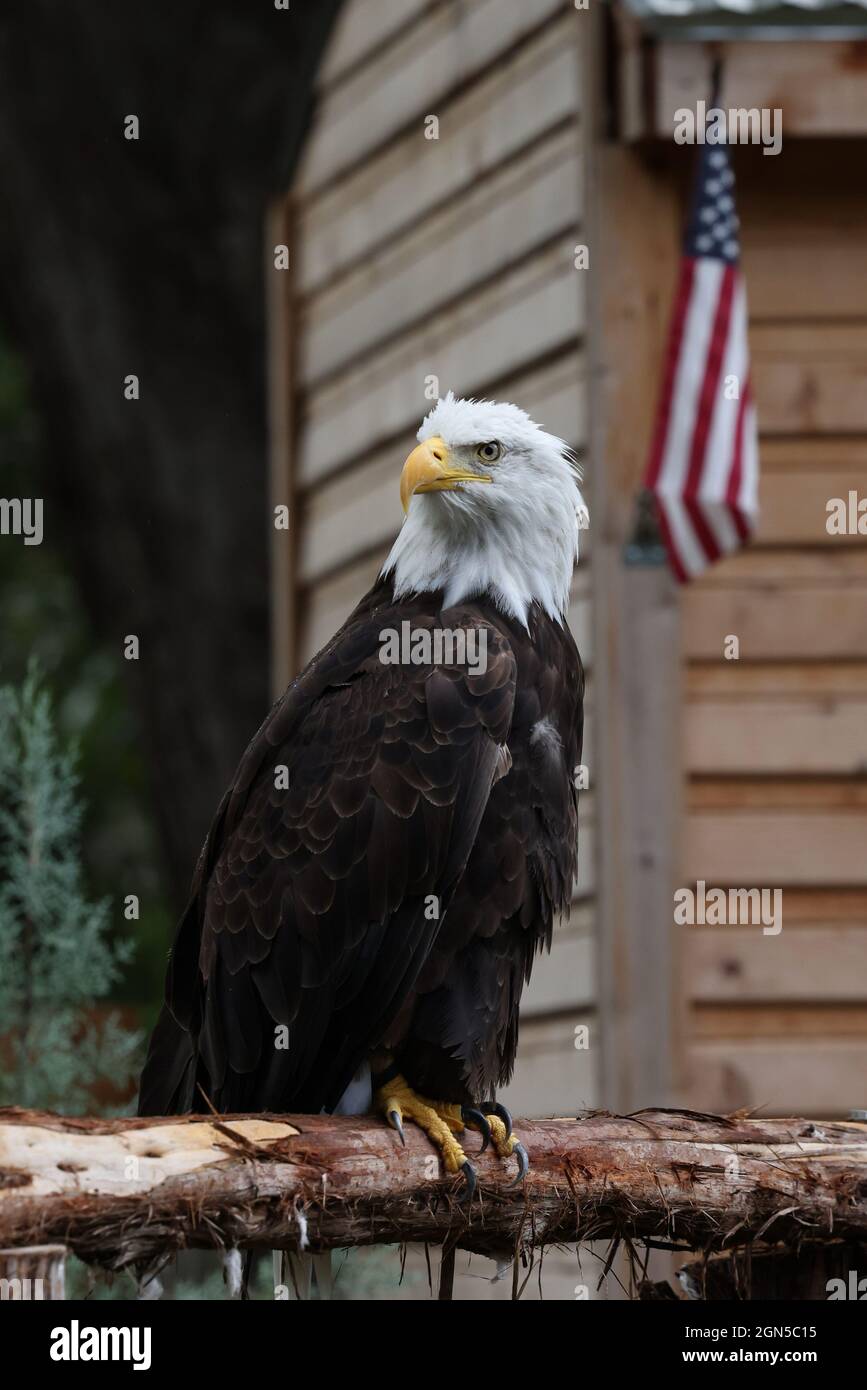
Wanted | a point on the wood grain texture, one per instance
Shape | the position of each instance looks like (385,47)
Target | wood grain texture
(482,126)
(824,1075)
(818,86)
(810,379)
(775,848)
(123,1191)
(783,605)
(409,78)
(636,628)
(802,734)
(364,27)
(453,250)
(825,964)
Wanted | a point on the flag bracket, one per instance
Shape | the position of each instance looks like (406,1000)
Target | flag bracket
(645,546)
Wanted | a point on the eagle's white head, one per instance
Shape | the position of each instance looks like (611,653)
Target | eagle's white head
(492,507)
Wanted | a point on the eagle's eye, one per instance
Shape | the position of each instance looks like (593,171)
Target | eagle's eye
(489,453)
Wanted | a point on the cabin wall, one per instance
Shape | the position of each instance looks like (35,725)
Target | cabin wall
(413,259)
(770,765)
(775,743)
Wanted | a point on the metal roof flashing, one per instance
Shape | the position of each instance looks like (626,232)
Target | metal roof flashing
(754,20)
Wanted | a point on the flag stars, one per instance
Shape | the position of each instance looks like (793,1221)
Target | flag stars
(713,230)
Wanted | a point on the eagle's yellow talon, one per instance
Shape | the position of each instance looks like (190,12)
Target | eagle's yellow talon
(503,1142)
(439,1119)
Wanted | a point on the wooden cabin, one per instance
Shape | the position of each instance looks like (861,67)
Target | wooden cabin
(459,154)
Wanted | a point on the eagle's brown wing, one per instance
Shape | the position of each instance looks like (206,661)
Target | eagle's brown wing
(312,902)
(459,1030)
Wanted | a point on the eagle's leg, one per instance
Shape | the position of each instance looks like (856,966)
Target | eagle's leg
(503,1139)
(440,1120)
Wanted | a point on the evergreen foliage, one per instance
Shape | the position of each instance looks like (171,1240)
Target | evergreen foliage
(57,958)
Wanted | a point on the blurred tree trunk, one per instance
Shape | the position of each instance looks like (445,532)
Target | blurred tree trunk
(120,256)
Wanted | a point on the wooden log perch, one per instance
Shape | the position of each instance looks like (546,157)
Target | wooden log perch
(123,1191)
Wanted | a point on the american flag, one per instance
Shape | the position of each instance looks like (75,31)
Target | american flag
(704,464)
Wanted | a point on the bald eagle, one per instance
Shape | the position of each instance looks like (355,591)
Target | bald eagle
(402,830)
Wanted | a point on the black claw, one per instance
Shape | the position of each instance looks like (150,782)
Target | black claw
(491,1107)
(394,1120)
(476,1118)
(469,1173)
(523,1164)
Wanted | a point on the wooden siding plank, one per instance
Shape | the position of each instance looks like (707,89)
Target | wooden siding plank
(447,48)
(449,255)
(798,735)
(772,848)
(363,28)
(791,794)
(822,1078)
(802,1019)
(820,624)
(781,605)
(826,907)
(810,379)
(794,506)
(819,86)
(536,309)
(757,569)
(792,457)
(805,259)
(522,99)
(784,679)
(739,964)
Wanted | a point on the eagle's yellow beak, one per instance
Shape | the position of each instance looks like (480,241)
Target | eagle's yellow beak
(428,470)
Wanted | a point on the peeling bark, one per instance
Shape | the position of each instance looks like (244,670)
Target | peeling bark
(124,1191)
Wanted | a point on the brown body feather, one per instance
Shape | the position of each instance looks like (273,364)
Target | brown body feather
(311,906)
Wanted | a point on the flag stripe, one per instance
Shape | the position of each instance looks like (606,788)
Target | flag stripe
(702,464)
(684,295)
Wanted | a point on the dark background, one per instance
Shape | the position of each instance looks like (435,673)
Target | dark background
(116,257)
